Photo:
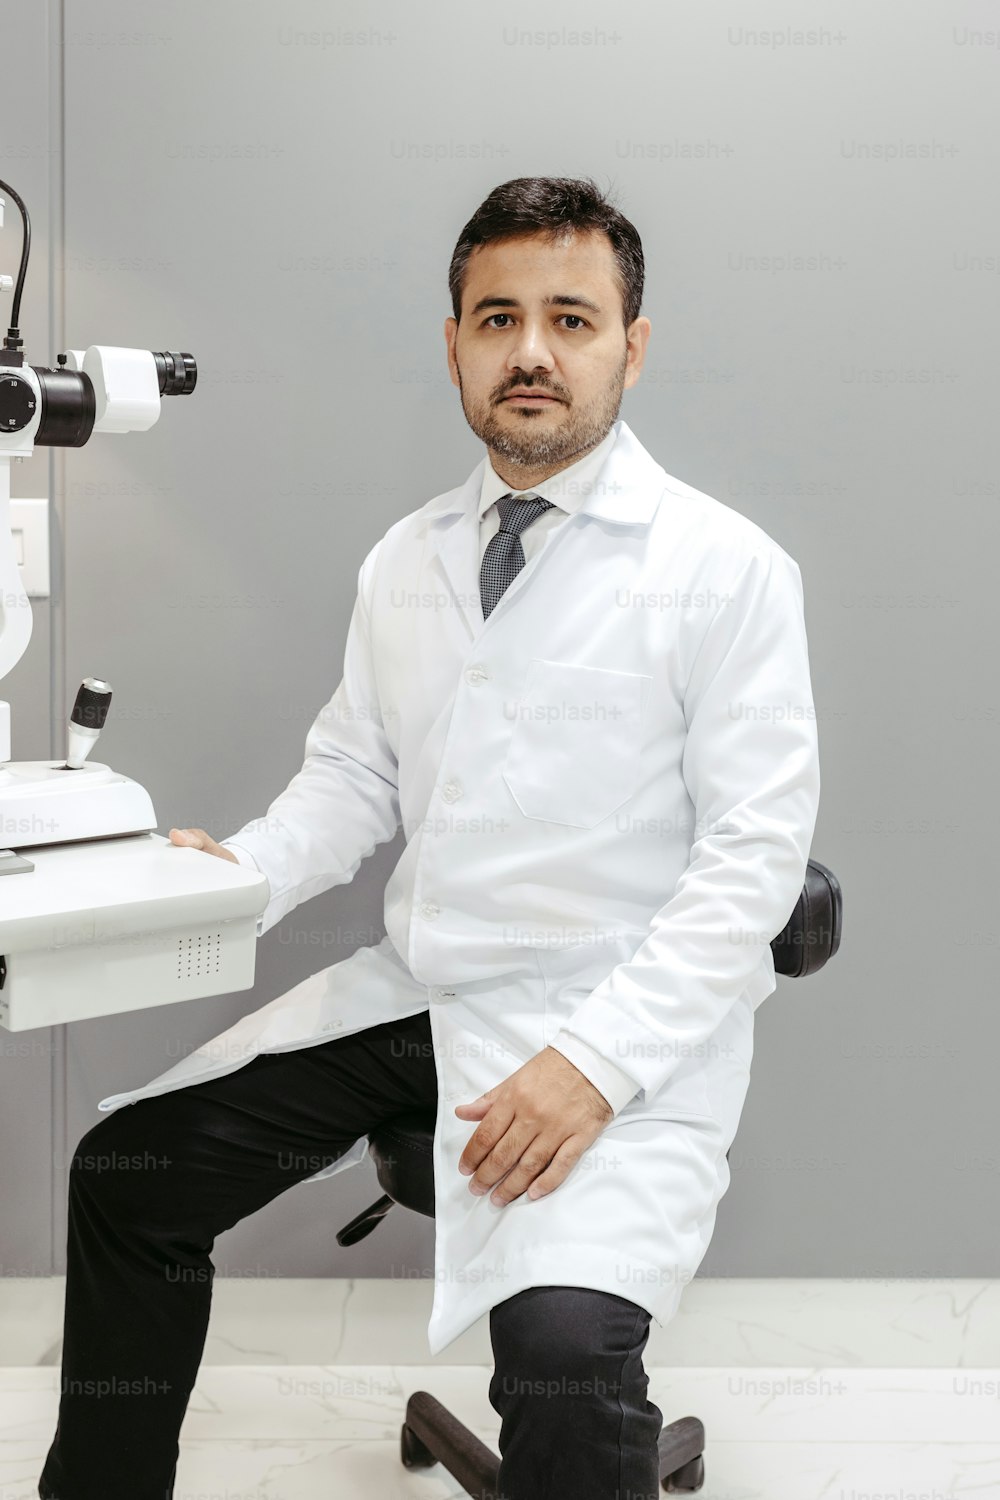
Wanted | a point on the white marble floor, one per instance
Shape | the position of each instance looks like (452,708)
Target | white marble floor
(302,1432)
(809,1390)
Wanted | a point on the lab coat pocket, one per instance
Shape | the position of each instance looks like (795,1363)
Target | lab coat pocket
(575,752)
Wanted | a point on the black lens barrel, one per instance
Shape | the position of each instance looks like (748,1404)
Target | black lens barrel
(178,373)
(69,408)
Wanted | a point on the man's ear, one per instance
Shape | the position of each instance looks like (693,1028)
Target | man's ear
(450,336)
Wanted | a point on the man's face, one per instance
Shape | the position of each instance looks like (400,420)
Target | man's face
(521,329)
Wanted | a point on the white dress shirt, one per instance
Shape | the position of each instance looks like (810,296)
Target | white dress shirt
(566,490)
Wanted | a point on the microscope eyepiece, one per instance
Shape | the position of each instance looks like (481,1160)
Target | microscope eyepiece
(178,373)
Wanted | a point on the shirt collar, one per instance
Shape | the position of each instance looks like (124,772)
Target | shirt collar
(568,489)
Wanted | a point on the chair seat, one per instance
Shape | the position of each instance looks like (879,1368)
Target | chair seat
(403,1152)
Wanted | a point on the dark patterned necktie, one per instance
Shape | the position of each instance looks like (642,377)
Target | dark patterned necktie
(504,555)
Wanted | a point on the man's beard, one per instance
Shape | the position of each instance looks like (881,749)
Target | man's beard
(530,442)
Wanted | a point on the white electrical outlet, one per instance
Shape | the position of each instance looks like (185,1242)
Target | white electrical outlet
(29,524)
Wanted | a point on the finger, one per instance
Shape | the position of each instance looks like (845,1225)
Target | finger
(533,1161)
(502,1159)
(494,1166)
(485,1137)
(484,1102)
(558,1169)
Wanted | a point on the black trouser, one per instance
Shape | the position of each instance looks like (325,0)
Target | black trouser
(153,1184)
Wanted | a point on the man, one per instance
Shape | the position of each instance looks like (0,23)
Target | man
(582,688)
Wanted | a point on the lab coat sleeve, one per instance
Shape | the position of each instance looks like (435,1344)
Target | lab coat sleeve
(750,763)
(345,799)
(617,1087)
(245,859)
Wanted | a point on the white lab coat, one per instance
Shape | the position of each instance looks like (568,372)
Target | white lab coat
(608,790)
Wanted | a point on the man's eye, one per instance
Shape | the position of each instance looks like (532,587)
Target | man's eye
(575,317)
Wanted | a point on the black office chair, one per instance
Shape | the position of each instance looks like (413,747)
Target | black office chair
(403,1152)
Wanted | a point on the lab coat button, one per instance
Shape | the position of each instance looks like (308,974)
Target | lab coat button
(476,674)
(451,791)
(429,909)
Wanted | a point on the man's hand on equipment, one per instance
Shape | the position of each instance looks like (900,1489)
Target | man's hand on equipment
(535,1126)
(197,838)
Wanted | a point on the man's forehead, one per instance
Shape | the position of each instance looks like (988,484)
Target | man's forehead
(580,268)
(587,250)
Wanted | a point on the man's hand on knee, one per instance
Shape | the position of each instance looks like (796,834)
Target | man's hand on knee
(534,1127)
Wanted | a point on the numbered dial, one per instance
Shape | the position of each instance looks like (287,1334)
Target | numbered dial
(17,403)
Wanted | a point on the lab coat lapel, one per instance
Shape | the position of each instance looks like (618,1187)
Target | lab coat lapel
(453,560)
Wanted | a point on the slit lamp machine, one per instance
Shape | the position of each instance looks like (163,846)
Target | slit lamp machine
(98,913)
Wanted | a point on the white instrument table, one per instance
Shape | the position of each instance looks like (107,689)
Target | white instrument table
(105,926)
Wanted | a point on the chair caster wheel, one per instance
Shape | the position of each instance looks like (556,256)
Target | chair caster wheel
(688,1478)
(414,1453)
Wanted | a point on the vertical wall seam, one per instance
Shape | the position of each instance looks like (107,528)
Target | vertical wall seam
(59,1035)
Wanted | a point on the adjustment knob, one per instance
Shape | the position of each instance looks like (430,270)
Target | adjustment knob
(87,720)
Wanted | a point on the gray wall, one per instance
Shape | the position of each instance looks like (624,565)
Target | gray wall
(284,204)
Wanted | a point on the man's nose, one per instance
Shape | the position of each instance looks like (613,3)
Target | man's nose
(532,348)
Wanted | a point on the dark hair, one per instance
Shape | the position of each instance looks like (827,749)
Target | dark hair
(552,206)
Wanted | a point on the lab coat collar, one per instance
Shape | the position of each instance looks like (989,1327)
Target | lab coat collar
(626,489)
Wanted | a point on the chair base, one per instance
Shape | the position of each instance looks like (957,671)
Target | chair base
(431,1434)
